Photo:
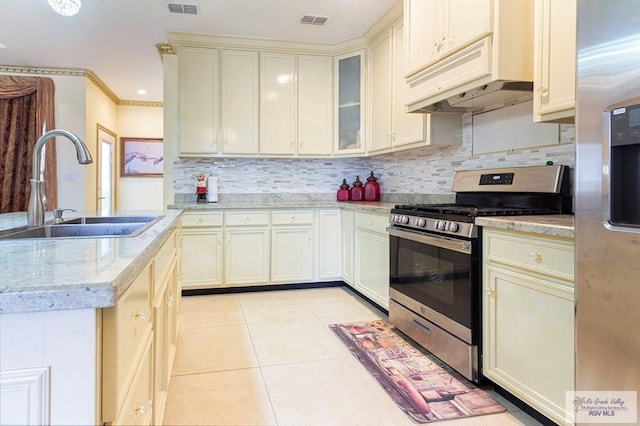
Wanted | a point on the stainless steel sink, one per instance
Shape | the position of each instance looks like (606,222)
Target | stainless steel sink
(110,219)
(92,227)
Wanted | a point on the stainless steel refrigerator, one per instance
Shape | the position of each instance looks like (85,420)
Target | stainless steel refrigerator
(607,196)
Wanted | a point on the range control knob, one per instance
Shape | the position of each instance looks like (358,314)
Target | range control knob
(394,218)
(422,222)
(454,227)
(441,225)
(405,219)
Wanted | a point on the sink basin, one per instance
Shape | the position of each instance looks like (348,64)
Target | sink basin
(117,228)
(110,219)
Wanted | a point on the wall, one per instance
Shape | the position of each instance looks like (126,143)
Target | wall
(103,111)
(427,170)
(139,193)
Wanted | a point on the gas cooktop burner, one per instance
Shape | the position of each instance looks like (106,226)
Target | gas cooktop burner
(470,211)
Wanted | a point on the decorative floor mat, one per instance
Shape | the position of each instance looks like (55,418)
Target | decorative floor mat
(426,389)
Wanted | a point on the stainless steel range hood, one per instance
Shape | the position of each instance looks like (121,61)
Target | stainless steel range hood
(488,97)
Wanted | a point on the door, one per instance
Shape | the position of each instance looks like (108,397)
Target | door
(105,162)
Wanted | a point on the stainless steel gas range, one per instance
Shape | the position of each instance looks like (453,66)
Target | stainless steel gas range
(435,255)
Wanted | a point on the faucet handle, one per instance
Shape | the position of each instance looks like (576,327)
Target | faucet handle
(57,214)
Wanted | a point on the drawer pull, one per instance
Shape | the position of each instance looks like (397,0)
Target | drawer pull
(143,315)
(143,407)
(535,256)
(200,220)
(422,327)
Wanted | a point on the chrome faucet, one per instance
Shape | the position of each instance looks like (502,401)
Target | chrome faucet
(35,212)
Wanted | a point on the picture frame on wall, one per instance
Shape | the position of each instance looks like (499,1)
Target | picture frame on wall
(141,157)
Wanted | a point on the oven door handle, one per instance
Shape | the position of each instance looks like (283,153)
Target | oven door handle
(441,242)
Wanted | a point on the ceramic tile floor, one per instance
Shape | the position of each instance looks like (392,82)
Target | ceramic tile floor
(268,358)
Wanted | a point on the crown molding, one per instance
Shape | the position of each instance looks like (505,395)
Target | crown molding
(76,72)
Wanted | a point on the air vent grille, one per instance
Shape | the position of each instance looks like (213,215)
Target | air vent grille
(313,20)
(187,9)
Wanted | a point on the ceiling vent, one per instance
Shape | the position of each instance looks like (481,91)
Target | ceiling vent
(313,20)
(186,9)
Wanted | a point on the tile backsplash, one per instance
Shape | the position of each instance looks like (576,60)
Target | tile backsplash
(427,170)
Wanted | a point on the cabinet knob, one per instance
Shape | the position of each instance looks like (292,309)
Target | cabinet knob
(491,292)
(143,407)
(200,220)
(141,314)
(535,256)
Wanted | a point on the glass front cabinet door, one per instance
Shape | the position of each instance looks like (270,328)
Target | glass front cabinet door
(350,111)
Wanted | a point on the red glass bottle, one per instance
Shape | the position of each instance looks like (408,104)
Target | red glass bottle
(344,194)
(372,189)
(357,190)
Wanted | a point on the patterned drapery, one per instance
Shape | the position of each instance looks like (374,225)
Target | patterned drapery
(26,112)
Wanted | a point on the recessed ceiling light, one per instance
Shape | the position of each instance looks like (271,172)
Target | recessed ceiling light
(142,92)
(2,46)
(66,7)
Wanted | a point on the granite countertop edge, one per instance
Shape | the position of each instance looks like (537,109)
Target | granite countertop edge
(91,283)
(561,225)
(380,206)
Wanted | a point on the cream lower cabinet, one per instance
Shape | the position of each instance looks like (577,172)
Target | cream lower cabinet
(348,247)
(329,245)
(246,258)
(202,237)
(291,246)
(528,318)
(372,257)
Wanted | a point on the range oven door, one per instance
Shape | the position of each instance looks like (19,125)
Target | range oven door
(436,277)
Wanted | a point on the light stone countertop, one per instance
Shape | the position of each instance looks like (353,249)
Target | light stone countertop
(560,225)
(373,206)
(60,274)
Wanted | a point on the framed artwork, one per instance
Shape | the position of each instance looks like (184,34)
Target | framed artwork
(141,157)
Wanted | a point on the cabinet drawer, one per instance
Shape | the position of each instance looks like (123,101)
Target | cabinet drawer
(292,217)
(190,220)
(138,406)
(372,222)
(247,217)
(126,327)
(544,255)
(450,75)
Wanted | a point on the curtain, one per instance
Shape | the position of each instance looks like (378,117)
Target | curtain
(26,112)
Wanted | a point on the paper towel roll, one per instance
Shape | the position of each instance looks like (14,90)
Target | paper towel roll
(212,189)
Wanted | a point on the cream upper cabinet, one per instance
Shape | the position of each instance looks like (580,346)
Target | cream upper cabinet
(239,78)
(392,127)
(198,94)
(315,105)
(349,72)
(471,43)
(528,318)
(555,61)
(381,83)
(278,104)
(438,27)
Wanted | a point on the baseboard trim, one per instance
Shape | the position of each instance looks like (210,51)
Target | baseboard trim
(255,288)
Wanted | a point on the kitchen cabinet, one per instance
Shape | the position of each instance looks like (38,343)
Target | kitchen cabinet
(95,366)
(348,247)
(438,28)
(239,95)
(247,254)
(350,81)
(456,45)
(372,257)
(392,127)
(528,317)
(315,105)
(278,106)
(202,250)
(329,245)
(554,61)
(198,97)
(164,310)
(291,246)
